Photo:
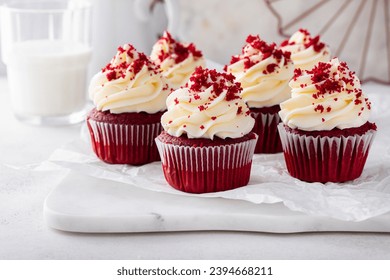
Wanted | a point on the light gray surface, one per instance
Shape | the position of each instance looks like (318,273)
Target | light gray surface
(81,203)
(23,234)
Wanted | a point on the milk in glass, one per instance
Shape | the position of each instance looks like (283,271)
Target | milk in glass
(48,78)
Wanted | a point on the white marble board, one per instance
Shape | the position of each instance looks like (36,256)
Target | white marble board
(85,204)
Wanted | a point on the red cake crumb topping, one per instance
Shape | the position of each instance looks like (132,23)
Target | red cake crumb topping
(111,75)
(324,80)
(215,83)
(203,79)
(248,63)
(267,50)
(177,51)
(115,70)
(319,108)
(315,42)
(207,88)
(297,73)
(328,81)
(368,103)
(304,31)
(234,59)
(286,43)
(309,41)
(287,54)
(271,68)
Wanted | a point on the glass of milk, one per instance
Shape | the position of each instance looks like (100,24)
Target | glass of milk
(46,48)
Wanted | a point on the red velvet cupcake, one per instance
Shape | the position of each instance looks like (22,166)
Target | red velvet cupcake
(207,145)
(129,94)
(306,51)
(264,72)
(177,60)
(326,135)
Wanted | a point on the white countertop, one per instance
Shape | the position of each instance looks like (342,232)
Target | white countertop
(24,235)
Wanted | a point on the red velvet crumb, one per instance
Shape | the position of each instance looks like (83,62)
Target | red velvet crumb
(203,78)
(178,51)
(267,50)
(119,70)
(318,46)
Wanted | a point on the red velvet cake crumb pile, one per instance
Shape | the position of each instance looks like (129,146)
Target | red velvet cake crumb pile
(178,51)
(116,70)
(267,50)
(318,46)
(202,79)
(297,73)
(327,81)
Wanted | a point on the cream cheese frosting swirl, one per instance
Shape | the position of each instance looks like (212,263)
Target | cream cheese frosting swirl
(306,51)
(177,60)
(263,71)
(328,96)
(129,83)
(209,106)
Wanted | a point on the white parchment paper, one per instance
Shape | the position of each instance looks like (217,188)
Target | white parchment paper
(361,199)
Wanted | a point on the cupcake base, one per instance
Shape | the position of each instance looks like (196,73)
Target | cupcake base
(126,138)
(204,165)
(326,156)
(266,127)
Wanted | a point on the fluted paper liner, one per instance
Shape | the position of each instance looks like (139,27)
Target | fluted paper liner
(325,159)
(266,127)
(208,168)
(124,143)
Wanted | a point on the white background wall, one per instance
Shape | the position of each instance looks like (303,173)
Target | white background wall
(115,22)
(219,28)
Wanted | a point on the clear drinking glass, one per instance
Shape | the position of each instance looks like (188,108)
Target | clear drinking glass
(46,48)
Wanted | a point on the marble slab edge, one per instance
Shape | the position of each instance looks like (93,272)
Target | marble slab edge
(88,205)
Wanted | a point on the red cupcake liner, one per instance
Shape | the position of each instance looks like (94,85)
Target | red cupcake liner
(208,168)
(266,127)
(124,143)
(325,158)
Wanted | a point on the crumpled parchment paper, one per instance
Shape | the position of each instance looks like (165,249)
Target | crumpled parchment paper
(363,198)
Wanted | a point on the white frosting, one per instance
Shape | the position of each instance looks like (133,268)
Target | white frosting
(203,114)
(177,74)
(310,110)
(262,88)
(145,91)
(305,57)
